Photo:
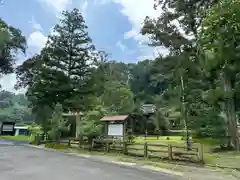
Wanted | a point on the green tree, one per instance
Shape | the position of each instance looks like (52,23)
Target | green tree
(11,42)
(159,117)
(177,29)
(62,73)
(41,115)
(219,38)
(118,98)
(57,123)
(27,71)
(14,107)
(90,125)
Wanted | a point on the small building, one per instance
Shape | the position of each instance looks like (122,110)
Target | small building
(148,108)
(7,128)
(115,126)
(21,131)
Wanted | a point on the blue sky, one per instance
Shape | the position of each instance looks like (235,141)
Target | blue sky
(113,25)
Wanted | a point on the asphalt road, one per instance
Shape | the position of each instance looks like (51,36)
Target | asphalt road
(18,162)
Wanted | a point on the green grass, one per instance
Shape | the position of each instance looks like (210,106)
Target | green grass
(56,146)
(228,159)
(161,140)
(177,141)
(15,138)
(225,159)
(179,130)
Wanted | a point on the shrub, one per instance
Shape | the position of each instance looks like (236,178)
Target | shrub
(34,140)
(56,146)
(130,138)
(167,138)
(58,124)
(89,129)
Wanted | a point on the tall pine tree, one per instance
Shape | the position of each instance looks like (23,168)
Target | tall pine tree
(62,71)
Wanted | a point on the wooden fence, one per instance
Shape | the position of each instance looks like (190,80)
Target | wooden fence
(145,150)
(152,150)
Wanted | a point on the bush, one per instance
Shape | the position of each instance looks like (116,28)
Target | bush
(167,138)
(56,146)
(130,138)
(90,130)
(34,140)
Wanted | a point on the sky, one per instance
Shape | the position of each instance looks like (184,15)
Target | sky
(113,25)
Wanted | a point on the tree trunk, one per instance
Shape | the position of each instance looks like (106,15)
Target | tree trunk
(231,112)
(184,114)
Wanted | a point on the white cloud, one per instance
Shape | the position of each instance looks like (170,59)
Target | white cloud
(152,53)
(83,7)
(36,26)
(136,11)
(56,5)
(36,41)
(8,81)
(121,46)
(101,1)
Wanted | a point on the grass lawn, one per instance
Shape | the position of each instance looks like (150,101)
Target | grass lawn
(15,138)
(161,140)
(224,159)
(179,130)
(164,141)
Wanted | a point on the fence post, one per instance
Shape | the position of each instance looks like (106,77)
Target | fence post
(107,146)
(45,137)
(125,150)
(80,140)
(37,139)
(200,152)
(170,156)
(69,143)
(145,150)
(92,145)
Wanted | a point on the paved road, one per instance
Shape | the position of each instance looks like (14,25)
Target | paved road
(19,162)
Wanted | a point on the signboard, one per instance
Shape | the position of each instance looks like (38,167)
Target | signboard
(115,129)
(148,108)
(7,127)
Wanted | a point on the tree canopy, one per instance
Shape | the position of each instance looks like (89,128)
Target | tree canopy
(14,108)
(11,42)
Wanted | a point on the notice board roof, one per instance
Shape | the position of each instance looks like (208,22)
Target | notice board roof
(114,118)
